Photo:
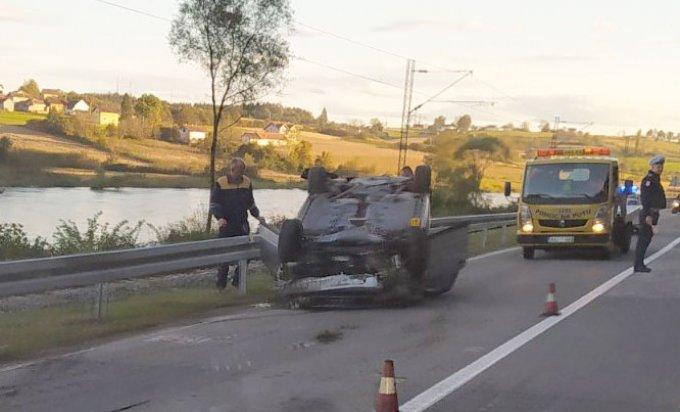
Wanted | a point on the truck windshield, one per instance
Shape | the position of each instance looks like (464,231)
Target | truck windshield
(564,183)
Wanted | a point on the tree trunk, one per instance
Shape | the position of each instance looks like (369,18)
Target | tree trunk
(213,152)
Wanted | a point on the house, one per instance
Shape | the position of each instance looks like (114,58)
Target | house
(6,104)
(55,105)
(31,106)
(105,116)
(263,138)
(79,106)
(189,133)
(19,96)
(277,127)
(48,94)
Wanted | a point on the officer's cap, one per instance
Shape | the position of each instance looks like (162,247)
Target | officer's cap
(657,160)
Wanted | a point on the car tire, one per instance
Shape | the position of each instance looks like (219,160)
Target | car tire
(422,179)
(290,240)
(528,252)
(317,180)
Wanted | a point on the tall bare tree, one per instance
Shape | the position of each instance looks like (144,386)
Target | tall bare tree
(243,46)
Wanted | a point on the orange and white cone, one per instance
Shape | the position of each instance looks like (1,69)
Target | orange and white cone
(551,302)
(387,394)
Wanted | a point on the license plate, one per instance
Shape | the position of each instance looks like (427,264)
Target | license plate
(560,239)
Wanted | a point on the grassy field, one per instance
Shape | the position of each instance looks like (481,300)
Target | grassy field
(18,118)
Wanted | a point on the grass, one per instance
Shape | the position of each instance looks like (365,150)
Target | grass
(30,333)
(18,118)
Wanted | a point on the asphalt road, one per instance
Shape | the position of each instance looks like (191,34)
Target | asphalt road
(618,352)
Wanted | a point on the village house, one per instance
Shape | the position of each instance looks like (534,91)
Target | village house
(48,94)
(79,106)
(190,133)
(277,127)
(105,116)
(56,106)
(31,106)
(263,138)
(6,104)
(18,97)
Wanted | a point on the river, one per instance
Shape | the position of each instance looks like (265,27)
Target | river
(39,210)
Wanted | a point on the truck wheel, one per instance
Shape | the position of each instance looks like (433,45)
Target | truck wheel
(528,252)
(290,240)
(317,180)
(624,245)
(422,179)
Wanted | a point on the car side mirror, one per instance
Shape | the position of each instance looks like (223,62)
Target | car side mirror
(628,184)
(508,189)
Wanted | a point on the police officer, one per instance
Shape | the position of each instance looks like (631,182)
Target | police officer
(653,199)
(231,198)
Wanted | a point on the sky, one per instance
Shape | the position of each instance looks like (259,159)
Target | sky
(608,63)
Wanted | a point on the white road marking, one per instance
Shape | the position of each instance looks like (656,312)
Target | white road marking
(447,386)
(494,253)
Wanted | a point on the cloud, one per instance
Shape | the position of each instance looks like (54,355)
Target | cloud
(555,58)
(415,24)
(605,26)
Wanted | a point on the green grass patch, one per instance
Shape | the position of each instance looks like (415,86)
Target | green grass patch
(30,333)
(19,118)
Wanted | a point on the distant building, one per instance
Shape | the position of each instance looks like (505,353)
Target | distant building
(277,127)
(19,96)
(263,138)
(105,118)
(189,133)
(7,104)
(48,94)
(57,106)
(79,106)
(31,106)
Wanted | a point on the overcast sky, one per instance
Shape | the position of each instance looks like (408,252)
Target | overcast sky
(610,63)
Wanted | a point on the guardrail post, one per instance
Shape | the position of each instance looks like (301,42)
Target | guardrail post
(485,233)
(242,276)
(503,234)
(99,301)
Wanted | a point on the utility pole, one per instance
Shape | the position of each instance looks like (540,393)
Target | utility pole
(406,112)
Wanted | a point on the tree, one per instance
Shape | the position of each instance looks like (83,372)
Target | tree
(293,134)
(545,127)
(30,87)
(439,123)
(650,133)
(463,123)
(241,45)
(5,146)
(638,135)
(525,126)
(126,108)
(322,120)
(376,125)
(325,159)
(150,109)
(300,155)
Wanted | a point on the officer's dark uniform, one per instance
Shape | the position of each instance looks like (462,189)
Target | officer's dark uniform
(232,201)
(653,199)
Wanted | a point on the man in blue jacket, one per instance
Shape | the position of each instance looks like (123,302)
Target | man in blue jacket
(231,198)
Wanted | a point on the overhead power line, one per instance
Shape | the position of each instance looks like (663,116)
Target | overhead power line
(347,72)
(143,13)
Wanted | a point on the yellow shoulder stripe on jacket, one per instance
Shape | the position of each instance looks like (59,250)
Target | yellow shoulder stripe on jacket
(225,185)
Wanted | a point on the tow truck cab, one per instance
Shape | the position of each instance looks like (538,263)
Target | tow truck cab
(572,198)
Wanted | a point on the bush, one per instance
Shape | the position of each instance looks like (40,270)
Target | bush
(5,146)
(14,243)
(97,237)
(189,229)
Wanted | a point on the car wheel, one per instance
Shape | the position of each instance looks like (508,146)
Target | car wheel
(422,179)
(528,252)
(317,180)
(290,240)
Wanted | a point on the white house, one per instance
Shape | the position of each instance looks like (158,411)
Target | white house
(7,104)
(261,138)
(277,127)
(192,134)
(79,106)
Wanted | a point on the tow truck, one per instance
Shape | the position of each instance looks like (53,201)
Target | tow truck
(572,198)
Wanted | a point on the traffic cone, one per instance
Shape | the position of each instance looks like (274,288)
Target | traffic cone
(387,394)
(551,302)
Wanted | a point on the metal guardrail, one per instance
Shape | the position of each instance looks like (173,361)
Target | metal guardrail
(39,275)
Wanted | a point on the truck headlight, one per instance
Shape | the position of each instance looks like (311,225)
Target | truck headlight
(600,220)
(598,227)
(525,218)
